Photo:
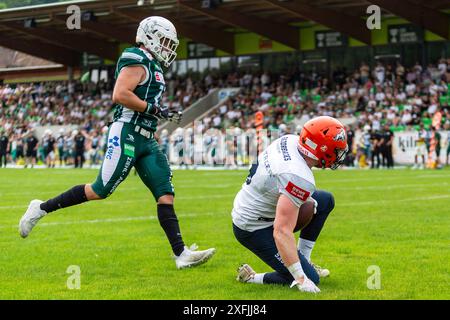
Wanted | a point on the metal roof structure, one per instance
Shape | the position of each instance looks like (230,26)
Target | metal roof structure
(116,21)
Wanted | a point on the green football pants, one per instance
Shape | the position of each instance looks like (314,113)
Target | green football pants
(128,148)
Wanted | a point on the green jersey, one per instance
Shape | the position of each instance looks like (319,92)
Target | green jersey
(150,89)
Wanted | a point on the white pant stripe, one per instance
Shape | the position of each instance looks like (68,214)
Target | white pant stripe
(113,152)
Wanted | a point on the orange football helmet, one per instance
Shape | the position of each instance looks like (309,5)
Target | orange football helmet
(324,139)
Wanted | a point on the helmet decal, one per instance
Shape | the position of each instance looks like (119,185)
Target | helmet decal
(310,144)
(340,136)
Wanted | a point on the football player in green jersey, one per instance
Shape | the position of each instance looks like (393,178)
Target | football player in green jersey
(138,108)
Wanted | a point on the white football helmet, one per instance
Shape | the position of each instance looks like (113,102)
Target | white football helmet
(159,36)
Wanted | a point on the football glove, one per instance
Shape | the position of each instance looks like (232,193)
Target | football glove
(163,113)
(306,286)
(315,205)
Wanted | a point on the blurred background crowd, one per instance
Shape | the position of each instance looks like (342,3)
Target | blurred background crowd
(380,100)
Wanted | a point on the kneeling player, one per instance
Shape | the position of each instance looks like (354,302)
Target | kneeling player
(266,209)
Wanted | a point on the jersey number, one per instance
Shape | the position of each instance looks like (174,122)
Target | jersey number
(251,173)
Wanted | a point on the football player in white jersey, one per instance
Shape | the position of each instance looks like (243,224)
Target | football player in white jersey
(266,209)
(421,148)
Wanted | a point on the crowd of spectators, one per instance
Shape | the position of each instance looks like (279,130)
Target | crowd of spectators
(383,98)
(398,96)
(87,106)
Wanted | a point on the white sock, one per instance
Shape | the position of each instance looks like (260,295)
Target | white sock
(258,278)
(306,247)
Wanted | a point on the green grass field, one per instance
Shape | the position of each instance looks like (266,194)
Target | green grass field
(397,220)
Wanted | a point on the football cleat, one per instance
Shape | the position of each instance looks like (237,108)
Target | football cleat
(245,273)
(323,273)
(191,258)
(31,218)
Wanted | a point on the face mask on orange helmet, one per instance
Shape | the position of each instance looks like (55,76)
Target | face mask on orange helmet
(324,139)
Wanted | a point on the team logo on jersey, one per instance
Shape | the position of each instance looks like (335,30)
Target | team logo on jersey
(146,122)
(130,138)
(159,77)
(297,192)
(129,150)
(340,136)
(324,148)
(112,143)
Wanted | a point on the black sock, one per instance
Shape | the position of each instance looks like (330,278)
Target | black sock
(72,197)
(169,222)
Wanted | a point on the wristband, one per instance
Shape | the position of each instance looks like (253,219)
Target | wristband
(296,270)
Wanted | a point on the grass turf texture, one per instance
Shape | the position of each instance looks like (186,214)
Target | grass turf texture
(397,220)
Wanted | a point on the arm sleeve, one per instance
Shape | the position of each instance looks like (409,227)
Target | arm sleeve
(295,188)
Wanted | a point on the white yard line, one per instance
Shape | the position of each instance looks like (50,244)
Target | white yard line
(363,203)
(150,198)
(109,220)
(337,180)
(149,217)
(181,186)
(395,186)
(446,176)
(108,202)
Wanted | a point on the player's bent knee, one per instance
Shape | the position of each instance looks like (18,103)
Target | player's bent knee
(331,202)
(93,195)
(166,199)
(325,201)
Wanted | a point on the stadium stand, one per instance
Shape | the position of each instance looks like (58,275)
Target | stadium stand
(400,99)
(377,83)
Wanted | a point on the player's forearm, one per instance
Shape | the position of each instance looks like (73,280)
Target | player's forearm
(130,100)
(285,242)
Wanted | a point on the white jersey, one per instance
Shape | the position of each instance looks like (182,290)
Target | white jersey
(280,169)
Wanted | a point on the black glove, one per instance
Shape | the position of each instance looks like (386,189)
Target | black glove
(163,113)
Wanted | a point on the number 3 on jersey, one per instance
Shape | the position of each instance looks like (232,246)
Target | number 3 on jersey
(251,173)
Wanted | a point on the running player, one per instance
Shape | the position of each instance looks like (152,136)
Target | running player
(137,96)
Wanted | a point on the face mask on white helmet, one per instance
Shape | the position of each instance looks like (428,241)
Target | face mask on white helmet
(159,36)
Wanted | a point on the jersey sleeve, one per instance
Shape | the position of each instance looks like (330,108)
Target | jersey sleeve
(295,188)
(129,58)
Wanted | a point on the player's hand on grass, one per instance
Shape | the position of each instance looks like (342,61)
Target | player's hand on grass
(305,285)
